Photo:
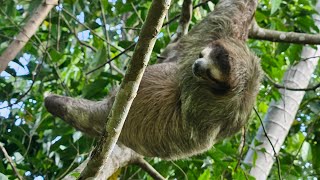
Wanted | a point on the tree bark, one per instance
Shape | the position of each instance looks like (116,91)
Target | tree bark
(121,156)
(281,114)
(26,33)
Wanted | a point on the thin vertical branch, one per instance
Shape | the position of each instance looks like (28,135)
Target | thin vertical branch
(274,151)
(185,19)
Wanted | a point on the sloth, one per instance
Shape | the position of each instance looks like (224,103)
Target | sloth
(183,108)
(202,93)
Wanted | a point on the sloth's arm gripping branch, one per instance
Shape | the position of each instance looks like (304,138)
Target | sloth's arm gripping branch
(84,115)
(257,32)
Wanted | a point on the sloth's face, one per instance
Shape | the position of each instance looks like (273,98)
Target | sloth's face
(213,65)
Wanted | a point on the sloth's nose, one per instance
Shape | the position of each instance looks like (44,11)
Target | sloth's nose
(197,65)
(198,68)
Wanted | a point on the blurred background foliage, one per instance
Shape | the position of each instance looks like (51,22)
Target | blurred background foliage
(82,50)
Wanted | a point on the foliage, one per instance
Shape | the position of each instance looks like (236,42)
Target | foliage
(62,53)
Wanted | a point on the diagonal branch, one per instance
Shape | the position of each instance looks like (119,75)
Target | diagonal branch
(128,88)
(12,164)
(149,169)
(27,32)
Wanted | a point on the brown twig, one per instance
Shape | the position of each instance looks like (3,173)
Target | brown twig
(276,85)
(241,147)
(110,60)
(73,31)
(312,88)
(185,18)
(274,151)
(149,169)
(12,164)
(178,16)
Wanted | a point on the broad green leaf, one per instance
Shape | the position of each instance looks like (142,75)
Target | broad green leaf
(275,5)
(3,177)
(205,175)
(76,136)
(18,157)
(306,153)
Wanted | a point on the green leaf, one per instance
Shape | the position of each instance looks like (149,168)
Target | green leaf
(18,157)
(76,136)
(316,157)
(275,5)
(75,174)
(282,47)
(306,153)
(125,44)
(205,175)
(260,16)
(3,177)
(95,87)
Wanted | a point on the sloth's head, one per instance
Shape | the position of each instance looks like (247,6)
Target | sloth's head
(225,65)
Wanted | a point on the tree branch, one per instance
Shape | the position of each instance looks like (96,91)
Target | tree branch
(12,164)
(128,88)
(274,151)
(312,88)
(185,19)
(110,60)
(73,31)
(257,32)
(120,157)
(276,85)
(27,32)
(149,169)
(177,16)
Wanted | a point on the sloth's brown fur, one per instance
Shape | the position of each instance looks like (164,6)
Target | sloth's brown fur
(176,114)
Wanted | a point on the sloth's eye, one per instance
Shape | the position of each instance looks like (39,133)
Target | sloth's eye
(200,55)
